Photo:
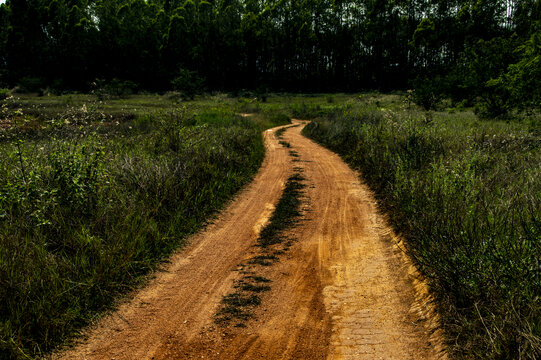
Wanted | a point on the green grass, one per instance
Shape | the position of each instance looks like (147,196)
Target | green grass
(466,195)
(94,194)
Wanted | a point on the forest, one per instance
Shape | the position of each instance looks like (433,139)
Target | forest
(476,52)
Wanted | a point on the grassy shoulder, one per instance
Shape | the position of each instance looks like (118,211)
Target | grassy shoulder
(94,194)
(467,197)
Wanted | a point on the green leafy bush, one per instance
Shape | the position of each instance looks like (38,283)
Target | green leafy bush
(188,82)
(429,92)
(522,82)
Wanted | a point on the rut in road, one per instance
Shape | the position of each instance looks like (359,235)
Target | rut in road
(343,290)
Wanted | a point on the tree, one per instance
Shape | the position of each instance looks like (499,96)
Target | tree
(523,80)
(26,46)
(4,29)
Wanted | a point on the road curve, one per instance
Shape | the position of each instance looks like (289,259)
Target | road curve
(344,290)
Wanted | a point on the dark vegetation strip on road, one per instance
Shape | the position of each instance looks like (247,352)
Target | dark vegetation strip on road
(90,203)
(467,197)
(272,242)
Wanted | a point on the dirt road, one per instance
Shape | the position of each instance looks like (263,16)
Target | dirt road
(344,290)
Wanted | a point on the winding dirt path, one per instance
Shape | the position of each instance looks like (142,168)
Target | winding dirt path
(344,290)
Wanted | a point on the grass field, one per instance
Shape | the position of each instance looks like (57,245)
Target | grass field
(93,194)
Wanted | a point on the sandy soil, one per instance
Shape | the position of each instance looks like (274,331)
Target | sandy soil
(344,290)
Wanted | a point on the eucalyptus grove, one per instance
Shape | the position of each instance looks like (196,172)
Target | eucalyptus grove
(294,45)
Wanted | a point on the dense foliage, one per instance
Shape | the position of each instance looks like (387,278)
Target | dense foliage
(467,49)
(466,195)
(89,202)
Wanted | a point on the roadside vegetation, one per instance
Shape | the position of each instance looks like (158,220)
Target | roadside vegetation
(466,196)
(93,194)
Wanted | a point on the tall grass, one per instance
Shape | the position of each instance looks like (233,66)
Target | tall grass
(86,210)
(467,197)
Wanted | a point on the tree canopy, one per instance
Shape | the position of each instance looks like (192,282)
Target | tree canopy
(295,45)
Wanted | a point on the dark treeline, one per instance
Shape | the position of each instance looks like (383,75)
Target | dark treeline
(295,45)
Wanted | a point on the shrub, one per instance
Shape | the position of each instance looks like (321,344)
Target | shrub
(305,111)
(188,82)
(429,92)
(522,82)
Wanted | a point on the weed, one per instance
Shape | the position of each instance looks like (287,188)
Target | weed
(240,300)
(279,134)
(264,260)
(286,213)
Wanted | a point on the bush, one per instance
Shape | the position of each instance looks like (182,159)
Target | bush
(522,82)
(429,92)
(305,111)
(188,82)
(474,77)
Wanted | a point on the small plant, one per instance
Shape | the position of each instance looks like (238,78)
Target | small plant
(284,143)
(293,154)
(279,134)
(255,288)
(263,260)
